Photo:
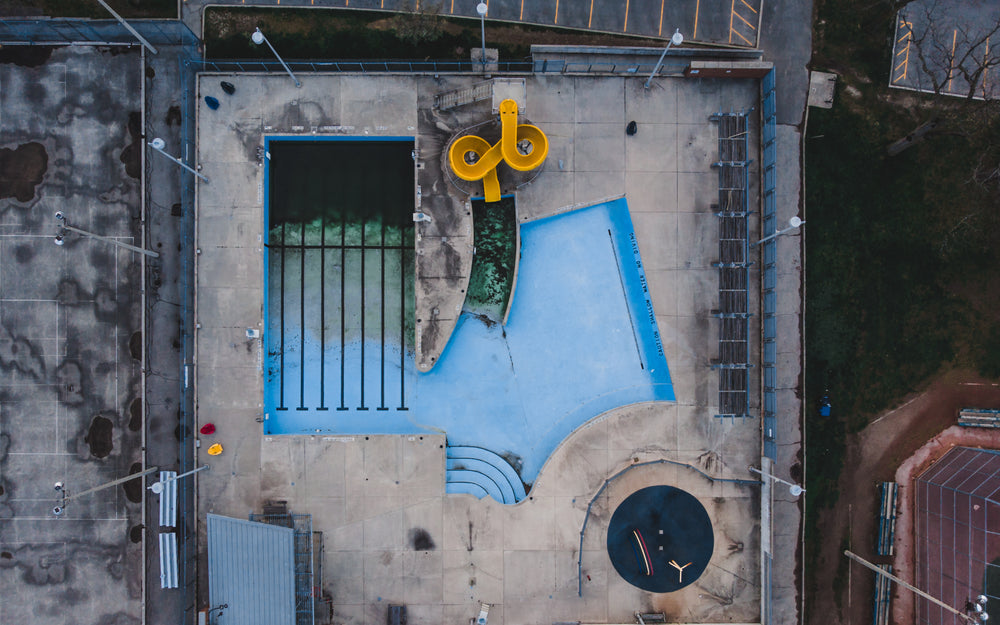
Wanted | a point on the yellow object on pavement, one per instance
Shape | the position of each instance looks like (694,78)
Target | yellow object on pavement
(488,157)
(215,449)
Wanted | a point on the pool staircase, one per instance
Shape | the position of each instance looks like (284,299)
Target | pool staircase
(480,472)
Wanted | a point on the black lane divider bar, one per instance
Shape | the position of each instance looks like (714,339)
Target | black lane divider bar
(322,311)
(381,403)
(281,352)
(363,228)
(402,327)
(343,314)
(302,322)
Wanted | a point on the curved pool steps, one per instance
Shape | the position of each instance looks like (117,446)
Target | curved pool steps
(466,488)
(493,471)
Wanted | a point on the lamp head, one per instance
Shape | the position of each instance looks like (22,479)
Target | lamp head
(158,143)
(677,38)
(257,37)
(481,9)
(156,487)
(795,222)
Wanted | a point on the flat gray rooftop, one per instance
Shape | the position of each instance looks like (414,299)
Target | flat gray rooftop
(370,495)
(68,378)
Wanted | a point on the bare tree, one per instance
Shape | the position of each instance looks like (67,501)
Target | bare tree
(956,46)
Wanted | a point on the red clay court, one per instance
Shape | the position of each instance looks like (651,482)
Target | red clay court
(957,533)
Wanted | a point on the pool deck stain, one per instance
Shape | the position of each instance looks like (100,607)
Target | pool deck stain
(366,493)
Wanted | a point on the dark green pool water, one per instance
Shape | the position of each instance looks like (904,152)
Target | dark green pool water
(340,287)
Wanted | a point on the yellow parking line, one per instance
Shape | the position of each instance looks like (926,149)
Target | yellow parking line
(452,6)
(732,12)
(660,29)
(904,52)
(591,18)
(625,27)
(951,59)
(748,6)
(521,16)
(733,32)
(986,71)
(697,4)
(556,19)
(744,21)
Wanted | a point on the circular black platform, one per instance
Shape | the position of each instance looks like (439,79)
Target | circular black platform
(655,531)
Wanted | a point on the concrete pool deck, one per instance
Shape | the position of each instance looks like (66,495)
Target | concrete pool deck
(366,494)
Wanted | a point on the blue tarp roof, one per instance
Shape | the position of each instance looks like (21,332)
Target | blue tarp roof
(251,568)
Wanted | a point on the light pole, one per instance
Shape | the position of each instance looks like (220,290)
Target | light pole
(980,616)
(64,225)
(793,223)
(128,27)
(481,9)
(794,489)
(158,144)
(157,487)
(64,496)
(676,39)
(258,38)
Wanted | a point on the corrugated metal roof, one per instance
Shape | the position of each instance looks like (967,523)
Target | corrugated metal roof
(251,568)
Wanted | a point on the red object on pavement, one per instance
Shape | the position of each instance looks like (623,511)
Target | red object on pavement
(208,428)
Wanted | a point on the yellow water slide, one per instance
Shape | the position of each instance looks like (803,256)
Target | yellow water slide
(487,156)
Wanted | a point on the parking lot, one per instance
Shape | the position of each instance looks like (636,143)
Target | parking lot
(730,22)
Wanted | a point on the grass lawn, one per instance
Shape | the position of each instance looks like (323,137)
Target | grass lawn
(90,8)
(348,34)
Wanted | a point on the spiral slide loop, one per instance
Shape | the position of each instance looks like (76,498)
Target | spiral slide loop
(506,150)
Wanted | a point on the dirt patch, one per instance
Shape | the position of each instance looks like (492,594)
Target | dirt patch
(26,56)
(133,488)
(420,539)
(841,593)
(131,156)
(135,415)
(21,170)
(173,117)
(135,345)
(100,437)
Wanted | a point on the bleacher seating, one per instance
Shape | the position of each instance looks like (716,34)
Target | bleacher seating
(734,265)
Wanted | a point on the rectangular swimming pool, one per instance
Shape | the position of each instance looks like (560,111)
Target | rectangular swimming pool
(339,267)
